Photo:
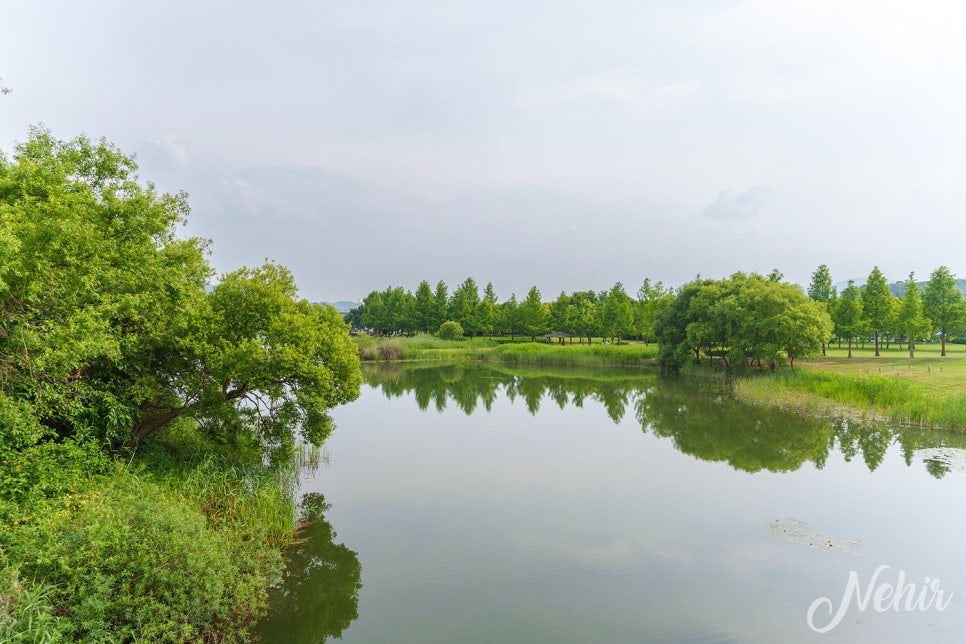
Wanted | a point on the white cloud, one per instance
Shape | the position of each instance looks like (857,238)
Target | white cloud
(743,205)
(171,149)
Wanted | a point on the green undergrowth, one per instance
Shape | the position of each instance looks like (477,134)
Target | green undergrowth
(423,347)
(864,394)
(180,544)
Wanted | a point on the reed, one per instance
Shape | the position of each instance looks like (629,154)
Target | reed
(867,394)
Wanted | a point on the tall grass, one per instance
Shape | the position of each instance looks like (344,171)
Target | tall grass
(424,347)
(594,355)
(868,394)
(26,612)
(181,545)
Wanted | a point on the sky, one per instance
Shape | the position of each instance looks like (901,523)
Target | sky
(566,145)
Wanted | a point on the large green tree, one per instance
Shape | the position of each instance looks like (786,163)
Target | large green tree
(650,299)
(617,315)
(743,320)
(489,311)
(847,314)
(510,317)
(464,306)
(584,315)
(943,303)
(533,314)
(440,304)
(910,319)
(107,331)
(820,289)
(878,305)
(423,308)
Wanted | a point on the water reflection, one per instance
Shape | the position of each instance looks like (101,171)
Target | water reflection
(700,418)
(319,594)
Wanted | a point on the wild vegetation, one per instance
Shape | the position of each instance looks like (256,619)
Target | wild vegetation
(582,315)
(146,422)
(857,313)
(427,347)
(737,325)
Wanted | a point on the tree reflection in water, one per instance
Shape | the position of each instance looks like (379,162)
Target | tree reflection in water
(698,416)
(319,594)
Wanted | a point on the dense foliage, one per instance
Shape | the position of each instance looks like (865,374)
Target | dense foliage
(111,343)
(583,314)
(741,321)
(874,312)
(107,331)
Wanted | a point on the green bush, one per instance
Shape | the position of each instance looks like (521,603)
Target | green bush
(128,561)
(182,550)
(451,331)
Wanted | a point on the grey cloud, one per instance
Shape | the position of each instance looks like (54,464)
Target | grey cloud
(743,205)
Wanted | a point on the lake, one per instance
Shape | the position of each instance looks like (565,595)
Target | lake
(467,502)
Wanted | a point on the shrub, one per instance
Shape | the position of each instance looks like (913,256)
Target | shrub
(185,557)
(451,331)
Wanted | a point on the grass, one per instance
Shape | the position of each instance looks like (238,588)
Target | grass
(425,347)
(923,392)
(923,350)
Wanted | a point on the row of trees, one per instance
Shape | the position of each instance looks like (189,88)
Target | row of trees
(872,310)
(583,314)
(771,321)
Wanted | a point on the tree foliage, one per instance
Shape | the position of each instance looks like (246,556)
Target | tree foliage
(943,303)
(910,319)
(848,314)
(878,305)
(451,330)
(107,331)
(532,314)
(741,321)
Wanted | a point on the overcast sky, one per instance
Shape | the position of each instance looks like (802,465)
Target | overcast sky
(567,145)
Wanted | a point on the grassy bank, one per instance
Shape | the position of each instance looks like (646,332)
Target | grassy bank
(424,347)
(179,545)
(924,392)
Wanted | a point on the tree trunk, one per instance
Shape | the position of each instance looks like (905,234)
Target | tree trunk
(850,346)
(943,354)
(912,347)
(876,344)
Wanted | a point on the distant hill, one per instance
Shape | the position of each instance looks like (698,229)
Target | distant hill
(898,288)
(342,306)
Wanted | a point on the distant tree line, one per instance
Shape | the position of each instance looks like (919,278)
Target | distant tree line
(744,320)
(584,315)
(873,311)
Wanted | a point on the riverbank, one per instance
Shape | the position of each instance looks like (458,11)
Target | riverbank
(924,392)
(180,544)
(425,347)
(920,392)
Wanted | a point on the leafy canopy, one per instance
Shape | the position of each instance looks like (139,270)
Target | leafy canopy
(107,331)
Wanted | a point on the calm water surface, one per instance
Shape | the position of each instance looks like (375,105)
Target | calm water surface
(473,503)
